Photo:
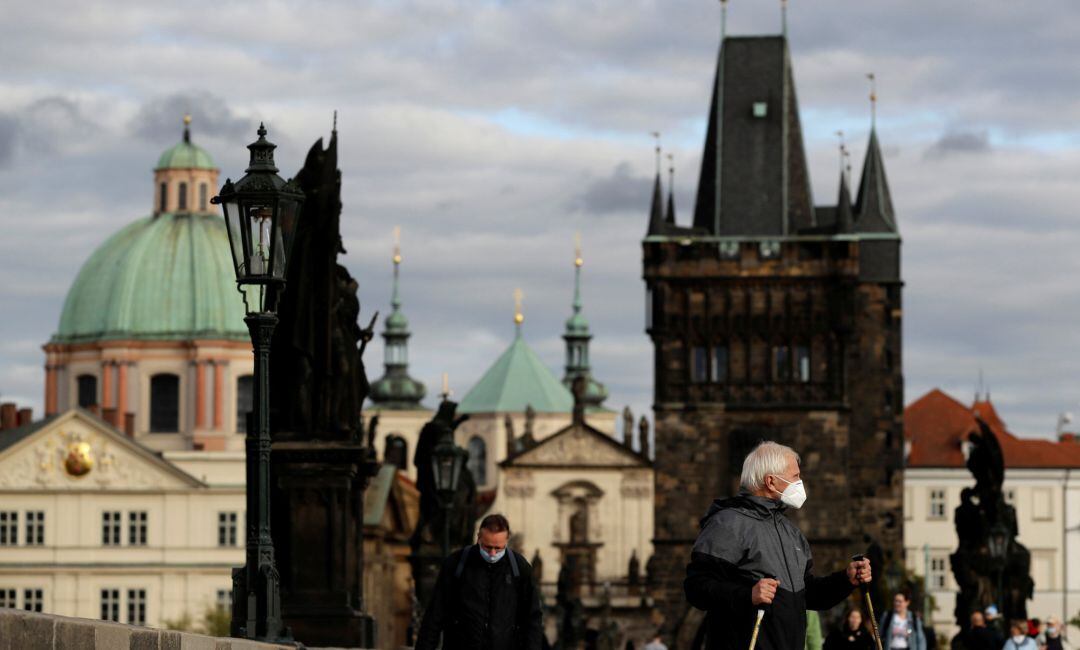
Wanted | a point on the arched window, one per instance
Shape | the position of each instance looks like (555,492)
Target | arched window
(164,403)
(163,197)
(181,197)
(396,451)
(202,196)
(478,459)
(245,400)
(87,390)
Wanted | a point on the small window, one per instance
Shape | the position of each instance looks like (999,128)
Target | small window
(164,403)
(699,365)
(110,605)
(802,364)
(87,388)
(110,528)
(226,529)
(720,364)
(163,197)
(136,606)
(35,528)
(202,197)
(7,598)
(937,572)
(137,528)
(761,109)
(478,459)
(245,400)
(181,196)
(781,363)
(33,600)
(937,504)
(9,528)
(223,600)
(397,452)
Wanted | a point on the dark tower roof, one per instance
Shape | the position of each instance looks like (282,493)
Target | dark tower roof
(754,178)
(844,219)
(670,217)
(873,207)
(656,214)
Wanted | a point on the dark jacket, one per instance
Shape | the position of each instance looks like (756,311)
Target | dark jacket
(742,540)
(485,608)
(846,639)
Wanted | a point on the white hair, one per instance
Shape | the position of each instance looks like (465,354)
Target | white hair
(767,458)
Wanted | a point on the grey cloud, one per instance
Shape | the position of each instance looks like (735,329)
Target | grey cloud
(9,131)
(621,191)
(160,119)
(957,141)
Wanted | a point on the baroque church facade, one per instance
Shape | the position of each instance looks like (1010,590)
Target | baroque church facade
(772,317)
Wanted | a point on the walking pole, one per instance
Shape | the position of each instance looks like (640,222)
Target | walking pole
(869,606)
(757,626)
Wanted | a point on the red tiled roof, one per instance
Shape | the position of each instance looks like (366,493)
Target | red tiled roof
(935,425)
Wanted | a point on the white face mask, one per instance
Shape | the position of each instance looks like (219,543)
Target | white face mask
(794,494)
(1018,639)
(491,557)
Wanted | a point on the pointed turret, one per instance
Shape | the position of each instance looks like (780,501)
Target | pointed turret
(396,389)
(844,220)
(577,339)
(873,207)
(754,177)
(656,214)
(669,218)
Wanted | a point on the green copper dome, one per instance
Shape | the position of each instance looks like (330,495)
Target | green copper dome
(517,379)
(185,155)
(167,277)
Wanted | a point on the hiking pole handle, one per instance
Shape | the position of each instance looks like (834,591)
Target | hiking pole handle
(869,605)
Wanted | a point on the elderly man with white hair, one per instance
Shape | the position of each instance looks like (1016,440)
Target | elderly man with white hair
(749,556)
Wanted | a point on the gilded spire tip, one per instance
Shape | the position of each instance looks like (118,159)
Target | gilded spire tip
(519,316)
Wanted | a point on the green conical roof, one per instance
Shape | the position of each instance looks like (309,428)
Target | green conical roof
(185,155)
(517,379)
(167,277)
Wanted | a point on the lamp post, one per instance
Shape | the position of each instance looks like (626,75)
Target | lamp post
(447,462)
(261,213)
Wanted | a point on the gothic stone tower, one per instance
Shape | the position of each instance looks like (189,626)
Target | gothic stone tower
(773,318)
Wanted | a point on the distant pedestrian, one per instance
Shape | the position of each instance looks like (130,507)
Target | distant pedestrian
(1018,638)
(484,597)
(655,643)
(978,636)
(900,628)
(851,635)
(1053,636)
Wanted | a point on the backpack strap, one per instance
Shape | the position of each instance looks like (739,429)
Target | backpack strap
(461,562)
(513,563)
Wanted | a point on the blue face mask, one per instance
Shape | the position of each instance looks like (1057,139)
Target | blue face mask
(490,557)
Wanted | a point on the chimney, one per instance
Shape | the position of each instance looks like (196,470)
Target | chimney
(25,416)
(109,415)
(129,424)
(8,415)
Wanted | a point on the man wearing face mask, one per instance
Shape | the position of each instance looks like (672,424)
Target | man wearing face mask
(484,598)
(749,556)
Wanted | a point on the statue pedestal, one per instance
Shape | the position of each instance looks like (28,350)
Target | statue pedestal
(318,530)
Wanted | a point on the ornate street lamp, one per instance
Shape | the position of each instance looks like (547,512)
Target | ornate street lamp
(447,462)
(261,214)
(997,543)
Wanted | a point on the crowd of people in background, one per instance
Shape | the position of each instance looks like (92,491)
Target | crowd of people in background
(902,629)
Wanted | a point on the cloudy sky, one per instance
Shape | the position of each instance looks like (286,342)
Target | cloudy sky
(492,131)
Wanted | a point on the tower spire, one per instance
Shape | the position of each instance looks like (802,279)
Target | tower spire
(396,389)
(577,338)
(187,128)
(873,99)
(656,214)
(670,218)
(783,17)
(723,20)
(519,316)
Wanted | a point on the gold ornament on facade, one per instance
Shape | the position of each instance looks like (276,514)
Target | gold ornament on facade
(79,459)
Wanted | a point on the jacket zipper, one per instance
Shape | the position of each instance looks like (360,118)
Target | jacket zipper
(783,552)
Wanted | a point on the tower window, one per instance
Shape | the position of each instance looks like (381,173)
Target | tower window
(720,364)
(87,388)
(699,365)
(478,459)
(163,196)
(761,109)
(397,451)
(802,364)
(202,197)
(781,363)
(181,197)
(245,400)
(164,403)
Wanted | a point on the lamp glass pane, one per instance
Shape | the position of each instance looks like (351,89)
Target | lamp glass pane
(259,222)
(444,473)
(232,224)
(284,231)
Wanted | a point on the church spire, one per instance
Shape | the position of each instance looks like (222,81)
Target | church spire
(844,220)
(396,389)
(577,338)
(873,206)
(656,213)
(670,217)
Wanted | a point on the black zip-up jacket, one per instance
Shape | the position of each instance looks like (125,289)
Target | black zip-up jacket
(742,540)
(485,608)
